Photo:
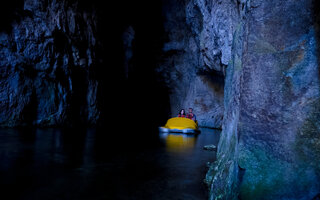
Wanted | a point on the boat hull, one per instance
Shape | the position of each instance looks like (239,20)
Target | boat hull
(180,125)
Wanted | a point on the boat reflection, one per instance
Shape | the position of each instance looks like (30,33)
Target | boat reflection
(178,143)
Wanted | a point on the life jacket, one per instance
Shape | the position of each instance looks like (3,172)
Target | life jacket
(190,116)
(181,115)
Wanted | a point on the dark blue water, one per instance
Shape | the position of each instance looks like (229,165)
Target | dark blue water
(89,164)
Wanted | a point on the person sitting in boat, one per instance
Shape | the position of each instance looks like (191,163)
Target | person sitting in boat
(182,113)
(191,115)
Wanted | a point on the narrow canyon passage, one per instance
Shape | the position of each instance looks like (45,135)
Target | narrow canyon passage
(85,85)
(69,65)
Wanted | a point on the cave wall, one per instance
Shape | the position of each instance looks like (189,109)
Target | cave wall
(78,62)
(48,57)
(269,146)
(194,58)
(57,58)
(250,66)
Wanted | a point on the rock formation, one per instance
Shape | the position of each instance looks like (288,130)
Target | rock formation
(56,57)
(194,59)
(269,146)
(48,55)
(250,66)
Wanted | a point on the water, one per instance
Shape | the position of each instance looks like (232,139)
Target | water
(89,164)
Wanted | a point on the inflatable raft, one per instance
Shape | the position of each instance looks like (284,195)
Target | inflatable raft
(180,125)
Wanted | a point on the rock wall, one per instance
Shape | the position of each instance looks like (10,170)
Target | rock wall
(47,60)
(269,146)
(194,59)
(78,62)
(250,66)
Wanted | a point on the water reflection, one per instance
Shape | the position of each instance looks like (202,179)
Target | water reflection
(178,143)
(90,164)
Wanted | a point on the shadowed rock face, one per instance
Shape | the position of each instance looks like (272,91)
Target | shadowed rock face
(65,62)
(254,62)
(48,55)
(269,147)
(56,58)
(194,58)
(280,131)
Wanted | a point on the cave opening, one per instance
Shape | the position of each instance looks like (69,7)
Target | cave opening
(127,66)
(102,63)
(132,90)
(123,68)
(158,65)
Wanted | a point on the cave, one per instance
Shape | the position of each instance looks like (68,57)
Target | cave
(85,85)
(83,55)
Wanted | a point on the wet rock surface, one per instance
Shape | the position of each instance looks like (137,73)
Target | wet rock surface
(268,147)
(80,63)
(210,147)
(194,59)
(48,54)
(248,66)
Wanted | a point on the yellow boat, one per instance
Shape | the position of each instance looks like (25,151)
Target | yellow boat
(180,125)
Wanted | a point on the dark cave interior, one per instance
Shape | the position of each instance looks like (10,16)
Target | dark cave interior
(131,99)
(141,96)
(251,68)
